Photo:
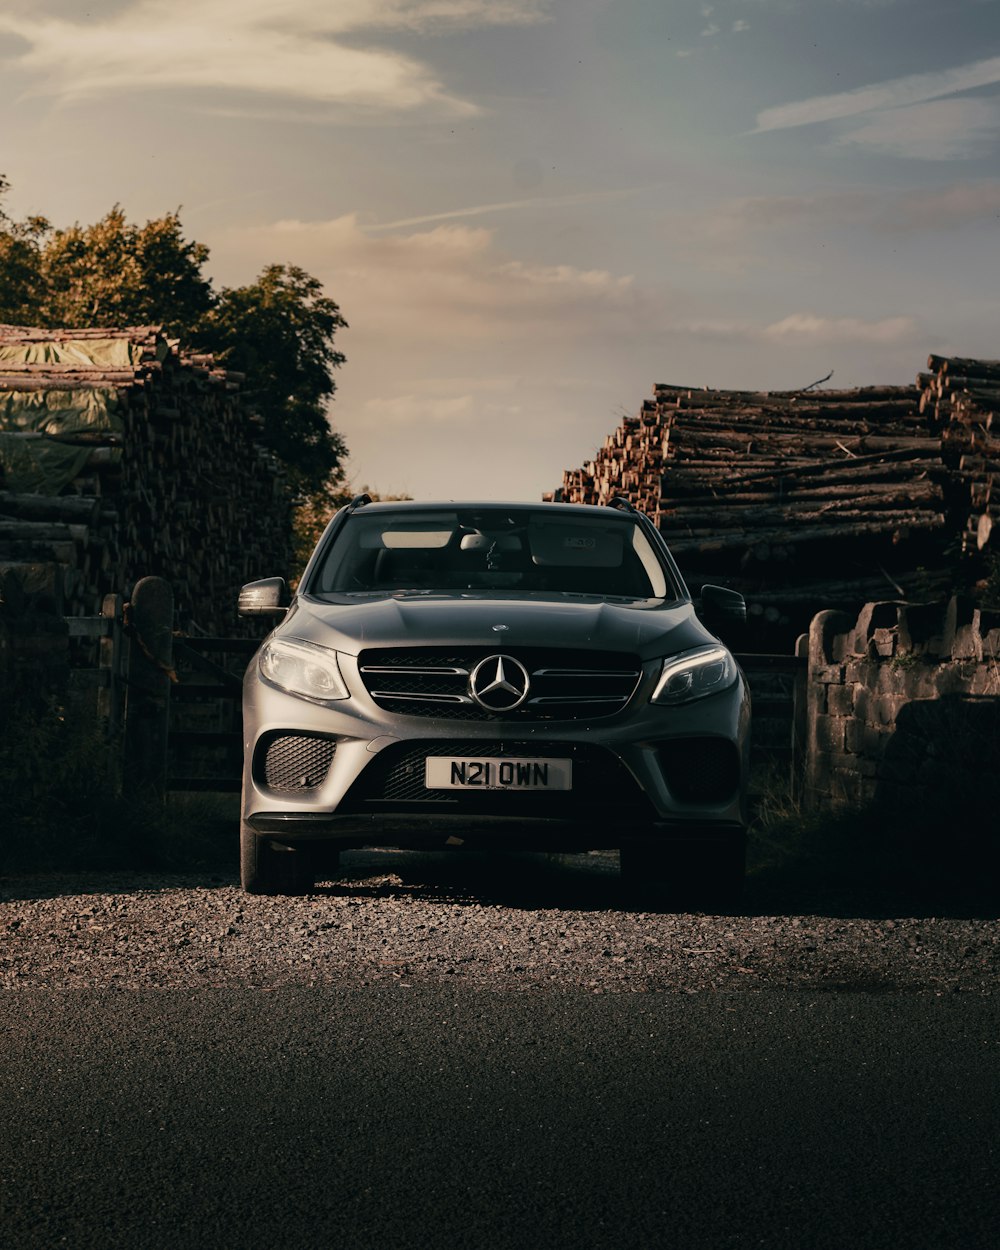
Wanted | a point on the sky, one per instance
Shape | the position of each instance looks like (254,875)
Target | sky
(531,211)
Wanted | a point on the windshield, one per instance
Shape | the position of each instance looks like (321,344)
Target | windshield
(492,549)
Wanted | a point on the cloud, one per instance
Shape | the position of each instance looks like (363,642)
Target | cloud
(740,25)
(447,285)
(732,223)
(404,410)
(735,220)
(895,93)
(948,208)
(454,342)
(717,328)
(939,130)
(710,30)
(427,14)
(296,50)
(808,328)
(482,210)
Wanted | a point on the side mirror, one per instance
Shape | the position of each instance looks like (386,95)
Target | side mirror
(268,597)
(720,607)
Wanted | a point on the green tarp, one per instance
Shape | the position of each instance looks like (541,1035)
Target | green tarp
(89,353)
(47,435)
(38,466)
(86,413)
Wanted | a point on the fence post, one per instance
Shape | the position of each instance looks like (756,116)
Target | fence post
(800,717)
(111,694)
(149,621)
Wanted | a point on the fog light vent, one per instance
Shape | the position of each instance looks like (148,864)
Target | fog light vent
(296,762)
(700,770)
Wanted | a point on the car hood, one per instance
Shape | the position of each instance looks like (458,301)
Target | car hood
(647,628)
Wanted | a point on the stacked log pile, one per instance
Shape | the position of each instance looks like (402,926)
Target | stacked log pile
(173,483)
(962,398)
(811,499)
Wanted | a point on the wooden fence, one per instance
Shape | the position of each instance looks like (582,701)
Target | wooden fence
(778,690)
(170,701)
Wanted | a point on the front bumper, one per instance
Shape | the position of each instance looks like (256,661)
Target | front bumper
(629,772)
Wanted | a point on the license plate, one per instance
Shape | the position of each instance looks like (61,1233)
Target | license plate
(465,773)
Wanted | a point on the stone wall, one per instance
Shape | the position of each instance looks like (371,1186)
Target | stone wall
(903,706)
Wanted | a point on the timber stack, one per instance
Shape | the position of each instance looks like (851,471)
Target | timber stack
(804,500)
(961,397)
(122,455)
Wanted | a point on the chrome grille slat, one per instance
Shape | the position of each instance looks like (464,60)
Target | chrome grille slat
(581,698)
(566,684)
(424,698)
(584,672)
(401,669)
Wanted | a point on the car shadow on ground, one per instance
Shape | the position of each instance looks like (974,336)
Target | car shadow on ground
(521,879)
(592,882)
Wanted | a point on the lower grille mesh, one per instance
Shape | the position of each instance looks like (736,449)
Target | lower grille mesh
(700,770)
(601,783)
(297,762)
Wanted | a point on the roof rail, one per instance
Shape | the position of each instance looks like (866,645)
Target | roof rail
(623,504)
(358,501)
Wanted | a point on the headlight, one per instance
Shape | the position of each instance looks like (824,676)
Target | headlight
(304,669)
(694,674)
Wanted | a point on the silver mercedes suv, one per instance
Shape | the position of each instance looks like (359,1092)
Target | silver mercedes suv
(531,676)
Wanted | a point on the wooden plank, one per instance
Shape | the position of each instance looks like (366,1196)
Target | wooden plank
(88,626)
(81,679)
(150,621)
(111,704)
(222,785)
(206,737)
(237,646)
(783,663)
(186,653)
(190,692)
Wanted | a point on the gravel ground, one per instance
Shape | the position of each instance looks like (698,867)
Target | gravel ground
(520,923)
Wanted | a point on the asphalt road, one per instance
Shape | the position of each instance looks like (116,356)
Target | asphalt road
(393,1116)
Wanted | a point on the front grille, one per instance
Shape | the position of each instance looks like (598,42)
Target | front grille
(700,770)
(564,684)
(602,786)
(296,762)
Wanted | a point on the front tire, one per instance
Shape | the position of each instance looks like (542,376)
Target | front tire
(702,871)
(267,868)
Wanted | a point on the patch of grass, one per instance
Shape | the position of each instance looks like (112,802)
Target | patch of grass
(935,851)
(904,662)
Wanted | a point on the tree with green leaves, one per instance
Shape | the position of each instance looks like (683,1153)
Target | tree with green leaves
(116,273)
(21,283)
(280,330)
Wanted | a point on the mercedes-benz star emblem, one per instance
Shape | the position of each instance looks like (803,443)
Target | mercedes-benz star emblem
(499,683)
